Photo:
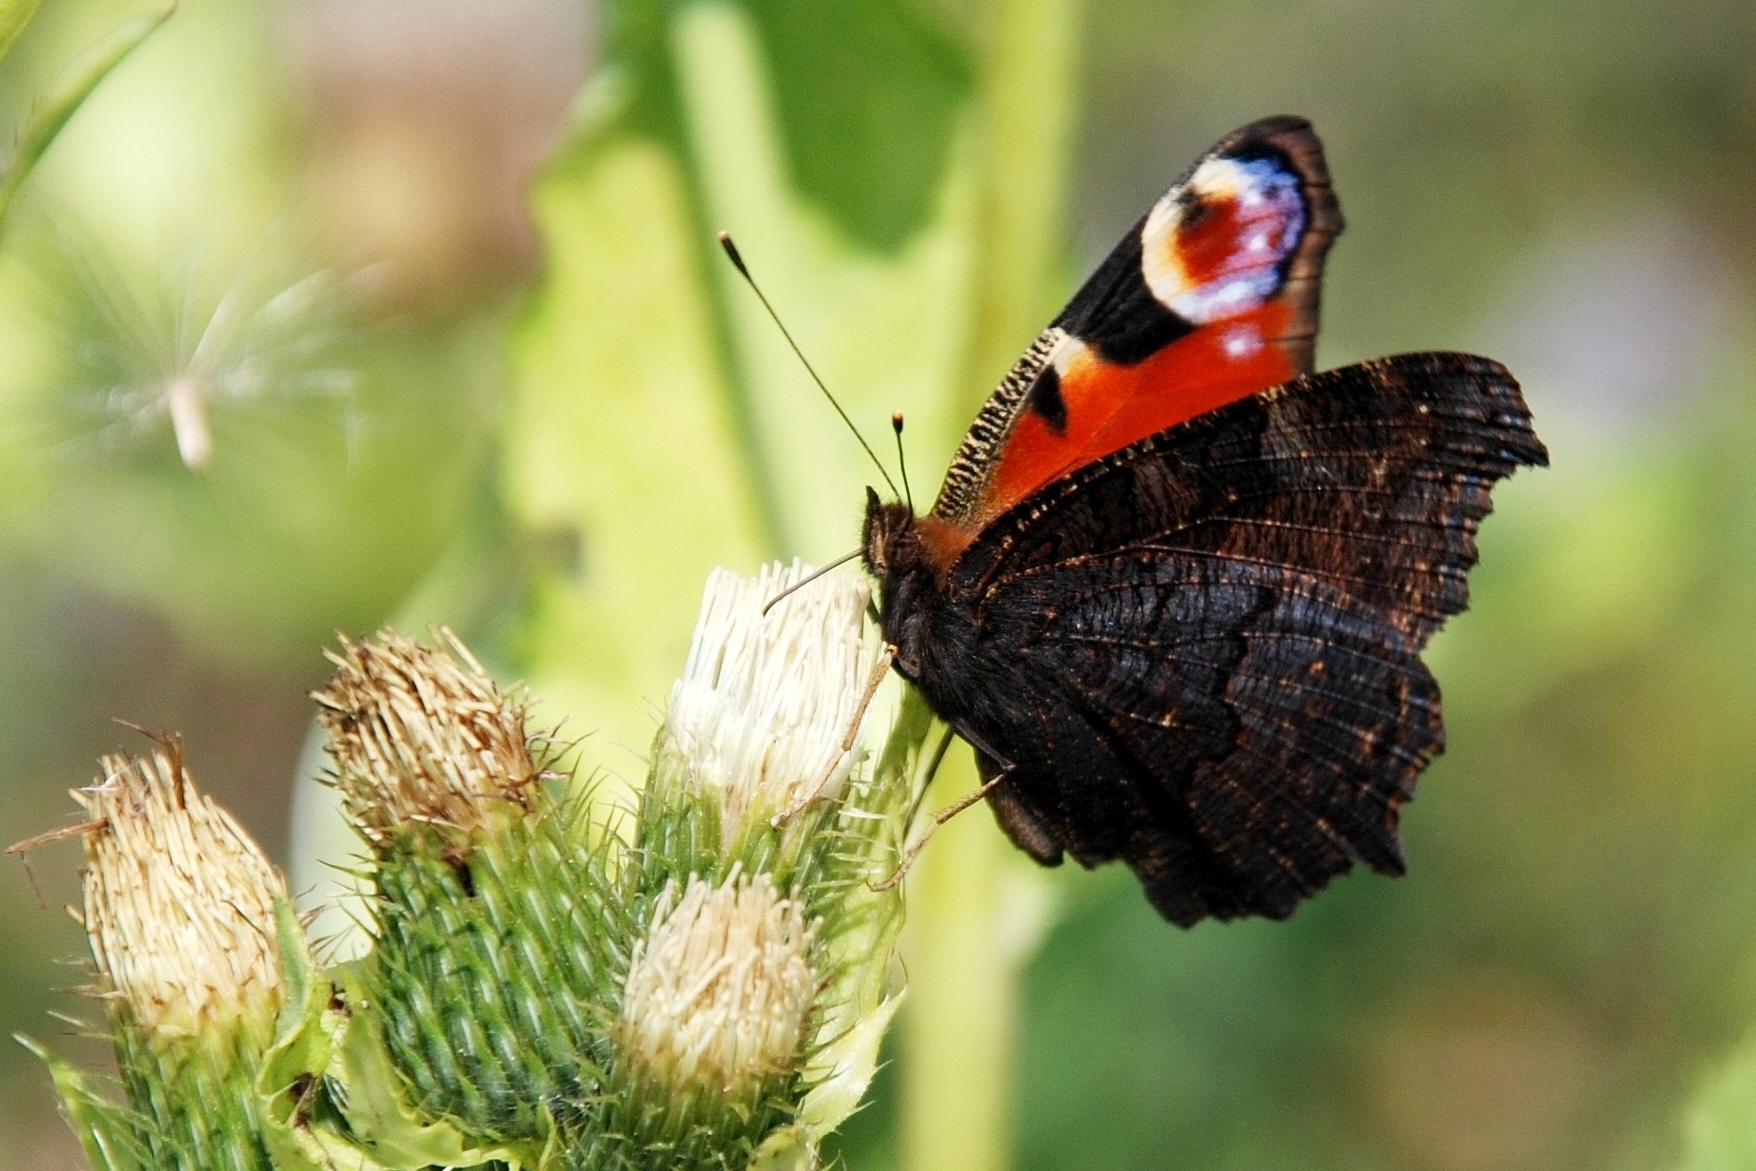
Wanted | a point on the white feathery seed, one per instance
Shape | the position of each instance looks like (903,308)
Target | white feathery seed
(174,354)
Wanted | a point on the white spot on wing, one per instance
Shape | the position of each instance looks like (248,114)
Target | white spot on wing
(1065,354)
(1242,341)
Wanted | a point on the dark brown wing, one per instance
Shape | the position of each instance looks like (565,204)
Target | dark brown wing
(1220,628)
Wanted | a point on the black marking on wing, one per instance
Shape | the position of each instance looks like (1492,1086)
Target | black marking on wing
(1116,314)
(1046,400)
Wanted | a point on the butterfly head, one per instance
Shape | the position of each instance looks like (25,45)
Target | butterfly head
(896,556)
(891,541)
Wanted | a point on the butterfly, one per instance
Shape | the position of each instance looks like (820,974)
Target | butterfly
(1176,584)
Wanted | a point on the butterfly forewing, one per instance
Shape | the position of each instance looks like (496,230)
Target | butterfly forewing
(1211,297)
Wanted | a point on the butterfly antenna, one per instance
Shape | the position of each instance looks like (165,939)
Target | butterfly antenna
(731,249)
(807,580)
(901,461)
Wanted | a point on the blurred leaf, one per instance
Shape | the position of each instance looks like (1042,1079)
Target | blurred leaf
(66,94)
(868,95)
(15,16)
(886,331)
(621,461)
(1719,1129)
(676,431)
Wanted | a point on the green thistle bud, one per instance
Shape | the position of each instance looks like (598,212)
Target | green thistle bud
(751,1019)
(180,909)
(497,925)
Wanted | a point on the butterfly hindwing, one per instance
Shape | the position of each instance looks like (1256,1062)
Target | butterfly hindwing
(1237,733)
(1211,297)
(1215,632)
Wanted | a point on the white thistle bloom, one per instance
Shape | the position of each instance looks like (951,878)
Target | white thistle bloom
(179,901)
(768,712)
(719,990)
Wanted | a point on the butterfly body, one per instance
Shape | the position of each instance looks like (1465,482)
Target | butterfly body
(1175,586)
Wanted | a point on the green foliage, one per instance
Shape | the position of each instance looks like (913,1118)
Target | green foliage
(15,15)
(1719,1129)
(68,92)
(106,1134)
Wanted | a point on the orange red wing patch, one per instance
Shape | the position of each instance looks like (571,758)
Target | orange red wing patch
(1106,406)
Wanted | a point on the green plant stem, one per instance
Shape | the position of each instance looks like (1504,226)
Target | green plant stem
(958,1032)
(957,1028)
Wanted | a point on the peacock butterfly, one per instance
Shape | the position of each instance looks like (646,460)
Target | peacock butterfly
(1176,584)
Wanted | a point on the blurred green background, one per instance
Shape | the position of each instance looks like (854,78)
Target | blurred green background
(438,392)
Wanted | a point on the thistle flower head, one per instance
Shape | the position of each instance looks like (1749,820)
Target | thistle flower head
(767,713)
(420,737)
(719,990)
(179,902)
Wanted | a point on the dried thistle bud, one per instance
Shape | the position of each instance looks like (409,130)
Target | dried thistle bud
(718,991)
(179,902)
(184,915)
(767,716)
(419,737)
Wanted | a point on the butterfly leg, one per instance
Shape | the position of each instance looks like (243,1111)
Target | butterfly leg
(932,771)
(993,770)
(852,736)
(939,819)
